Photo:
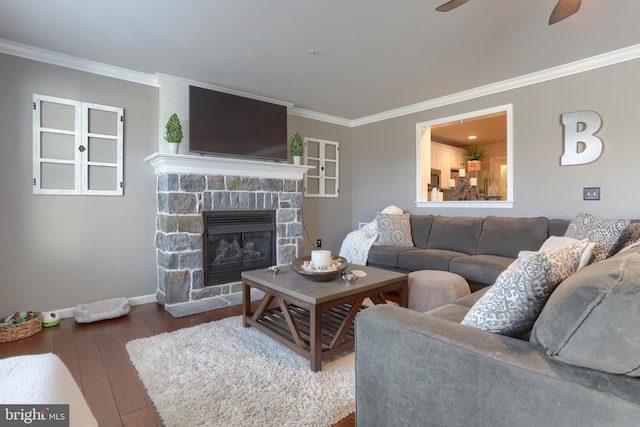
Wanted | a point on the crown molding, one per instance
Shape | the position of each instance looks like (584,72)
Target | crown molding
(73,62)
(599,61)
(166,80)
(308,114)
(576,67)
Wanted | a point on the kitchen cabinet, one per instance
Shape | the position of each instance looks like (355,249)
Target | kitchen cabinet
(446,157)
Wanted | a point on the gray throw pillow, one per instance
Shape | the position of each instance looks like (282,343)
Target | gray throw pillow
(514,302)
(394,230)
(593,318)
(604,232)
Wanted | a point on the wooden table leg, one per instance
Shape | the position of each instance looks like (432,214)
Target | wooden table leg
(246,302)
(403,292)
(315,332)
(377,299)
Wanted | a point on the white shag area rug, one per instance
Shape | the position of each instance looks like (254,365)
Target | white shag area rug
(221,374)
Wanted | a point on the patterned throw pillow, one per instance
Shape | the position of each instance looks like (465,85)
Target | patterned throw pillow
(602,231)
(514,302)
(629,235)
(556,242)
(394,230)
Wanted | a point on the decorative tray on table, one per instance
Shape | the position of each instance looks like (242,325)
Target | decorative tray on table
(306,269)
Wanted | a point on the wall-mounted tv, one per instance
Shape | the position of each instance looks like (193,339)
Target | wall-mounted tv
(231,125)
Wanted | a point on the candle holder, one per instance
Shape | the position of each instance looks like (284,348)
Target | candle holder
(463,189)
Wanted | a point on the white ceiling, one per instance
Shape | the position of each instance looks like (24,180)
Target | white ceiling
(373,55)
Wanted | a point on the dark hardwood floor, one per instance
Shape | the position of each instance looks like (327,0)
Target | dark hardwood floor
(95,355)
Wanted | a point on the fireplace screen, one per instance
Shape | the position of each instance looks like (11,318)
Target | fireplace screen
(235,242)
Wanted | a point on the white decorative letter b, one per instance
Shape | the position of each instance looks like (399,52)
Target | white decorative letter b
(580,127)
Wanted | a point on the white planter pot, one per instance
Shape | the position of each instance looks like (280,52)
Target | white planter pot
(297,160)
(174,147)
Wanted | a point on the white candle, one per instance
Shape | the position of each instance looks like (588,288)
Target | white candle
(452,183)
(462,173)
(474,182)
(320,258)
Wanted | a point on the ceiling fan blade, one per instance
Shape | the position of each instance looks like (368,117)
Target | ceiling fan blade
(564,9)
(446,7)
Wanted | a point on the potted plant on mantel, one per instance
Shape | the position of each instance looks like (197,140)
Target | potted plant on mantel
(296,149)
(174,133)
(475,157)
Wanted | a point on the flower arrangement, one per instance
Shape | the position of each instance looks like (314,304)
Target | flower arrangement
(474,153)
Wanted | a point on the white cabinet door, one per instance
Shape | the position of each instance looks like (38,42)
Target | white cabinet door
(443,162)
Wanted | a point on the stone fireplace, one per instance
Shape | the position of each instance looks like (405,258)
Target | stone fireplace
(190,187)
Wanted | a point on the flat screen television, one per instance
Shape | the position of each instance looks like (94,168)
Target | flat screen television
(231,125)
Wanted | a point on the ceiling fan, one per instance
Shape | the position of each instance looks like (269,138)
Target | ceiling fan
(563,9)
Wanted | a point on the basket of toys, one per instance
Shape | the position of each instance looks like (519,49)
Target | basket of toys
(19,325)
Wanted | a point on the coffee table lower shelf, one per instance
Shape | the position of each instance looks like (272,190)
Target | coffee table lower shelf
(274,321)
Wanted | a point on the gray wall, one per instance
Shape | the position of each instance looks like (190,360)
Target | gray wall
(383,171)
(60,251)
(326,218)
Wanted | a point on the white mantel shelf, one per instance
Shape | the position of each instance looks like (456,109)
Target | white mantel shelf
(207,165)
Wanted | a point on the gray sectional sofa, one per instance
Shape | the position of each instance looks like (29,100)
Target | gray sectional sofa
(478,249)
(578,365)
(579,368)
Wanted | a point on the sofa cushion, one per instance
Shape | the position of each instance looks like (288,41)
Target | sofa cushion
(394,230)
(506,237)
(593,317)
(420,229)
(385,256)
(469,300)
(481,269)
(604,232)
(426,259)
(450,312)
(458,233)
(557,227)
(513,303)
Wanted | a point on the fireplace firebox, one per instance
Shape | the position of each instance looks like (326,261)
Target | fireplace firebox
(236,241)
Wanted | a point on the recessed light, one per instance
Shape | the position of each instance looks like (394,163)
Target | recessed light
(471,137)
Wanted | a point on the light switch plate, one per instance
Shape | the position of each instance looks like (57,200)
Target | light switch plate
(591,193)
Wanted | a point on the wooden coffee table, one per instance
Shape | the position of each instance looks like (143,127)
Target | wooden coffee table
(315,319)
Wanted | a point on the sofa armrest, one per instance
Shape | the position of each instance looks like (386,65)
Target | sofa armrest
(417,369)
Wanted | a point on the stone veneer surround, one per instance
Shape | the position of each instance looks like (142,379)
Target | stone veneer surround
(185,191)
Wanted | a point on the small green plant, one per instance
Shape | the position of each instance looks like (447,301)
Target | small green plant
(474,153)
(174,129)
(296,145)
